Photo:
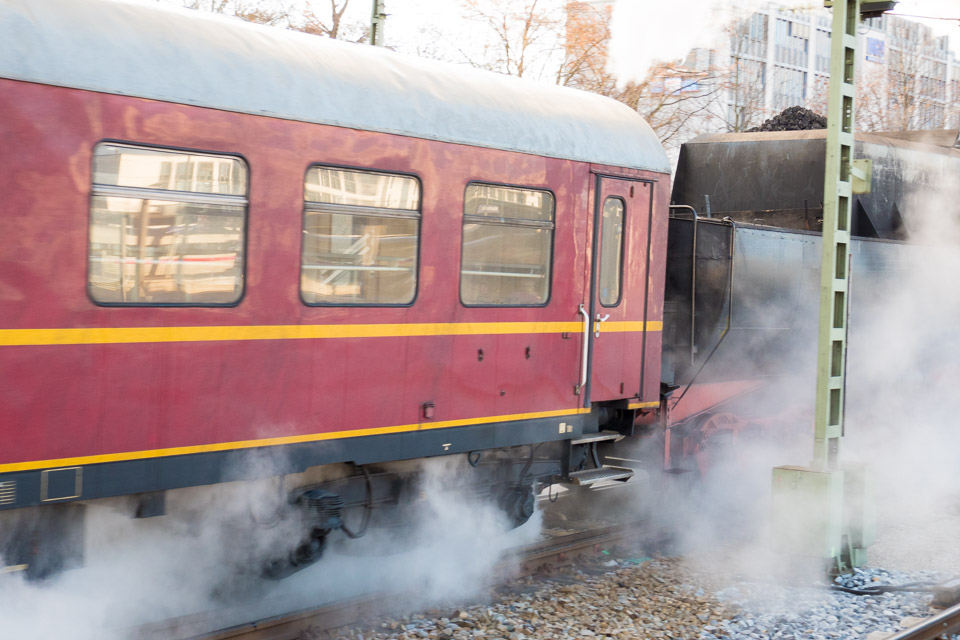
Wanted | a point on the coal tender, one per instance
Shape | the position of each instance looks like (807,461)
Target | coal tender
(742,280)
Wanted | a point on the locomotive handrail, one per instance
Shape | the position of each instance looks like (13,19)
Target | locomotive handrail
(586,348)
(693,283)
(685,206)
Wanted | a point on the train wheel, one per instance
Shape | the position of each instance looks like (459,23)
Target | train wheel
(43,541)
(716,434)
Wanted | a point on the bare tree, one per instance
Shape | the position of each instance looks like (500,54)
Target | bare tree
(330,22)
(872,101)
(523,38)
(913,85)
(259,11)
(677,100)
(909,90)
(587,36)
(745,78)
(680,102)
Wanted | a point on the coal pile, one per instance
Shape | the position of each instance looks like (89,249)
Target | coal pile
(793,119)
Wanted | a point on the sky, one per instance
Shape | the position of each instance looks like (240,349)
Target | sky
(405,15)
(646,31)
(934,8)
(643,30)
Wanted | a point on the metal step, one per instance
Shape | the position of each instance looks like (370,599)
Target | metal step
(14,568)
(592,476)
(599,436)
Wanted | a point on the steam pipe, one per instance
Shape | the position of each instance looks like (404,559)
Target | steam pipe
(726,329)
(693,295)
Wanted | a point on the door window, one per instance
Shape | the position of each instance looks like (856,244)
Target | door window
(611,251)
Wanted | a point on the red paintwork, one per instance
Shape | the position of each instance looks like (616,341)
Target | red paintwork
(65,401)
(703,397)
(617,356)
(656,275)
(621,358)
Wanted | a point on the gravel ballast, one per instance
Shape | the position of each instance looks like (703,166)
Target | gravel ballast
(642,598)
(730,591)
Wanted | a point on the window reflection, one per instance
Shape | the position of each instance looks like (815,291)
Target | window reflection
(362,188)
(505,202)
(507,240)
(611,251)
(122,166)
(361,233)
(150,244)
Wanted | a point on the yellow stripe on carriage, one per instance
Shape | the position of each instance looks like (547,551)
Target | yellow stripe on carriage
(271,442)
(127,335)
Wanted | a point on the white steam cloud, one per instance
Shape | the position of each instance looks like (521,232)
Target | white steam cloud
(904,363)
(902,410)
(203,561)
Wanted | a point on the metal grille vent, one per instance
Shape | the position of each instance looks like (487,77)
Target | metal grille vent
(8,492)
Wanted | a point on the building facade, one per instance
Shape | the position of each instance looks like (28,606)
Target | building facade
(779,58)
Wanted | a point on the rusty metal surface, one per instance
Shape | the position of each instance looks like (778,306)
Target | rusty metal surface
(775,288)
(946,622)
(776,179)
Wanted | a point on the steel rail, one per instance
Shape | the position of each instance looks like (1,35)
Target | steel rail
(290,626)
(944,623)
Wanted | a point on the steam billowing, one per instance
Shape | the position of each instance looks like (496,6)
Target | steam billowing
(207,558)
(902,411)
(903,404)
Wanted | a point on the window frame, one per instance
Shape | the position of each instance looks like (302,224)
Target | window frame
(195,197)
(349,209)
(531,224)
(623,255)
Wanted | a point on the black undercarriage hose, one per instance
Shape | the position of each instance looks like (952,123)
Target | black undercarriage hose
(913,587)
(359,533)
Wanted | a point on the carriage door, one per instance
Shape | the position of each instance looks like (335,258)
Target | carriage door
(621,247)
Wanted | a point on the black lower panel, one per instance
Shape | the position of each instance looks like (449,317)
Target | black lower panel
(44,486)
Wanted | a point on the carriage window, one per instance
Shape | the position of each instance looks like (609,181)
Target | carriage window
(507,240)
(360,238)
(611,251)
(166,227)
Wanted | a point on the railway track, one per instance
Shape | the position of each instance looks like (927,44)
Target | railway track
(944,624)
(556,548)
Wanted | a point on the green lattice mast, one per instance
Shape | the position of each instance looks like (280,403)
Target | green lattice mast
(835,261)
(824,511)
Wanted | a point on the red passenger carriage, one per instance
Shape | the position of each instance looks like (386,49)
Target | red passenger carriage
(223,237)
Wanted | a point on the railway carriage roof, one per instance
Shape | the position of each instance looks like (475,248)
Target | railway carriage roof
(188,57)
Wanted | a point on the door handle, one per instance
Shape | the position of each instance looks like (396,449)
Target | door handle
(596,327)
